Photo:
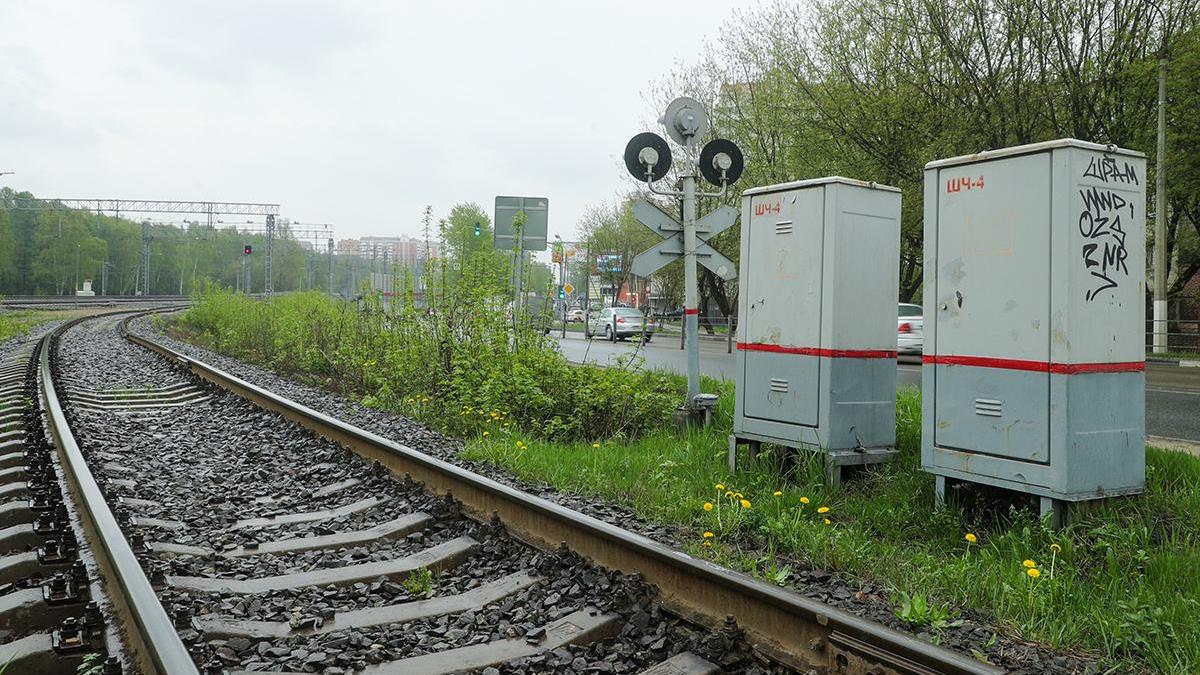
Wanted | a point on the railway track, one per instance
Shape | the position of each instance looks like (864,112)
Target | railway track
(220,527)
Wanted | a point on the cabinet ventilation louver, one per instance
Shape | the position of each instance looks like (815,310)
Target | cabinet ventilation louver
(988,407)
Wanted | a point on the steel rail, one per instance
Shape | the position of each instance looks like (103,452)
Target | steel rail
(799,632)
(148,631)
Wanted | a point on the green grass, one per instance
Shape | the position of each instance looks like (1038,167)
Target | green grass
(13,323)
(1124,582)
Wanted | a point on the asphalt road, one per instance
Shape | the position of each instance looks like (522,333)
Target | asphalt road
(1172,392)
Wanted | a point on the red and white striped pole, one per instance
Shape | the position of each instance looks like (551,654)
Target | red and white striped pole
(691,311)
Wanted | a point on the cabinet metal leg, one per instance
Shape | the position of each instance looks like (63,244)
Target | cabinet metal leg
(939,490)
(1056,509)
(731,458)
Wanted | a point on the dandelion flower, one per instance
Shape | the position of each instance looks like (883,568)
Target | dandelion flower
(486,433)
(410,400)
(738,495)
(708,506)
(728,494)
(778,493)
(804,500)
(823,509)
(1055,548)
(424,400)
(708,535)
(745,503)
(826,521)
(1029,564)
(720,487)
(1033,573)
(970,537)
(595,445)
(708,542)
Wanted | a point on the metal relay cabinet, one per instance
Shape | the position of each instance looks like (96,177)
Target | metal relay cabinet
(1034,354)
(818,283)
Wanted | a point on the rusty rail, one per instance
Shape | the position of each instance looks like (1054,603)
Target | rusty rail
(804,634)
(148,633)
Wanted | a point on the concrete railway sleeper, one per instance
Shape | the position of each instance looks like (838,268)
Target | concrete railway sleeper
(267,537)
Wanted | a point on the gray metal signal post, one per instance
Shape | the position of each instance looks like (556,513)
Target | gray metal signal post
(648,158)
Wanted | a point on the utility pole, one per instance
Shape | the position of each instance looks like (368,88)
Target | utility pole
(331,267)
(1160,324)
(587,286)
(269,286)
(145,257)
(1160,212)
(77,247)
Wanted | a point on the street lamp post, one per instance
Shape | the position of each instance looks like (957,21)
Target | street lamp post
(1159,322)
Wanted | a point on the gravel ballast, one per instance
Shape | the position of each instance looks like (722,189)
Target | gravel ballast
(190,475)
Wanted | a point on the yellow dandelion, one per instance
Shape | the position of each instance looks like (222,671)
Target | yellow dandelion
(708,542)
(708,506)
(486,433)
(1033,573)
(778,493)
(804,500)
(970,537)
(827,521)
(728,494)
(410,400)
(424,400)
(737,495)
(1055,548)
(745,503)
(708,535)
(1029,564)
(720,487)
(823,509)
(595,445)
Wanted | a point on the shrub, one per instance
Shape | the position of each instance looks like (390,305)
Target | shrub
(453,364)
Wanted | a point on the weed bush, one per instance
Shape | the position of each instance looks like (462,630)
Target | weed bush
(459,365)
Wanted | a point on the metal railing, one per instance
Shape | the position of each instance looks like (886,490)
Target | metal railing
(1183,337)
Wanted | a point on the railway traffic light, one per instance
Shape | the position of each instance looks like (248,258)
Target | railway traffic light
(478,230)
(246,249)
(562,293)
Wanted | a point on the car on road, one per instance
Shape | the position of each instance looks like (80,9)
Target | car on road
(575,315)
(910,324)
(619,323)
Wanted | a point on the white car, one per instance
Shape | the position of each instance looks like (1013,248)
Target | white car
(910,324)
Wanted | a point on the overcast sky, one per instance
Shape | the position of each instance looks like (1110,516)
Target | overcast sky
(351,113)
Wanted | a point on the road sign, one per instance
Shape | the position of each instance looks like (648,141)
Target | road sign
(536,218)
(568,288)
(671,247)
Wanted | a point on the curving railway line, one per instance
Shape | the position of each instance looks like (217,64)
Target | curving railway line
(164,516)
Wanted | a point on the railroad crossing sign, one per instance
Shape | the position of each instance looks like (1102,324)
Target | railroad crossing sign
(671,247)
(568,288)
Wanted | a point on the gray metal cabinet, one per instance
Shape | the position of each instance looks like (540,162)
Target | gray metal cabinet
(1034,353)
(817,306)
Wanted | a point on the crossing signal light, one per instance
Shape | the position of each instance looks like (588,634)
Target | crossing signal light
(246,249)
(478,230)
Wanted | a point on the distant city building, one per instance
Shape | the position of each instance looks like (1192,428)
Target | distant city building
(403,251)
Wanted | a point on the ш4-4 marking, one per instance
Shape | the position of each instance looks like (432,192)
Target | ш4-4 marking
(964,183)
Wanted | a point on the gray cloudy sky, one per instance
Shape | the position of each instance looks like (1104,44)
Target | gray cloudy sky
(351,113)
